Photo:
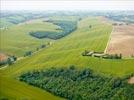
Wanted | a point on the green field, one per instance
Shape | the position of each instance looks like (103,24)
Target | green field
(4,23)
(11,19)
(23,41)
(62,53)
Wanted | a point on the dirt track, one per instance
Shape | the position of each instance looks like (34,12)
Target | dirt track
(122,40)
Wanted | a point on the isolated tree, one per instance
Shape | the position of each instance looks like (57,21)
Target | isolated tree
(43,46)
(37,49)
(90,26)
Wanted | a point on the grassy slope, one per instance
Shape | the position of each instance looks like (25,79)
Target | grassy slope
(16,90)
(65,18)
(67,51)
(10,20)
(23,41)
(5,23)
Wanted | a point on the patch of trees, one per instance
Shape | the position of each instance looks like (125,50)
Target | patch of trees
(83,84)
(28,53)
(66,28)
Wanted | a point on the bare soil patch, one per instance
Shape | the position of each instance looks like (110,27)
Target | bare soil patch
(131,80)
(122,40)
(3,57)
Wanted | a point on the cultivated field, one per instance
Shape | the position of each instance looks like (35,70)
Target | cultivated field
(121,40)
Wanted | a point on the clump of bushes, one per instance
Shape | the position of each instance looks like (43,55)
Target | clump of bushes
(10,60)
(83,84)
(101,55)
(41,47)
(66,28)
(28,53)
(112,56)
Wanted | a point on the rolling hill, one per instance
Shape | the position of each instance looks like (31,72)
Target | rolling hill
(23,41)
(63,53)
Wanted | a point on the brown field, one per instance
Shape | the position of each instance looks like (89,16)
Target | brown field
(122,40)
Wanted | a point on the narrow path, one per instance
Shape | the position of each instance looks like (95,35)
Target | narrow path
(105,51)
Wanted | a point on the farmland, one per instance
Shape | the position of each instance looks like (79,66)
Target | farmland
(24,41)
(62,53)
(121,41)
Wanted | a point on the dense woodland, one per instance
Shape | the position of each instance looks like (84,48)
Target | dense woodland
(83,84)
(66,27)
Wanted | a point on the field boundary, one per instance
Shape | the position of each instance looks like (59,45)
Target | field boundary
(109,40)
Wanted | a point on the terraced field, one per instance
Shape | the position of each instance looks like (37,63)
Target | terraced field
(64,52)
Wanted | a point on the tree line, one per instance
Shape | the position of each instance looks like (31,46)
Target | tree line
(12,58)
